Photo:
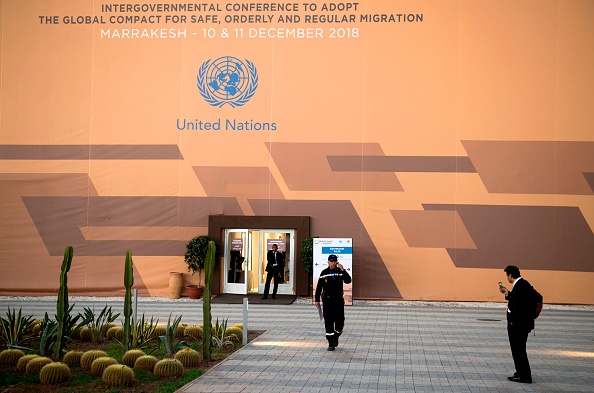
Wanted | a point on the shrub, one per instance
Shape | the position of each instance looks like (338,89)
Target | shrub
(87,358)
(35,365)
(130,357)
(10,357)
(118,375)
(188,357)
(146,362)
(167,368)
(100,364)
(54,373)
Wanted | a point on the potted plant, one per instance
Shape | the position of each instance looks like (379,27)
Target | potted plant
(195,258)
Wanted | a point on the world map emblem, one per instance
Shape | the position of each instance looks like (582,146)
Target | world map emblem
(227,81)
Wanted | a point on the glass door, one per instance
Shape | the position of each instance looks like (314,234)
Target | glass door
(237,252)
(284,240)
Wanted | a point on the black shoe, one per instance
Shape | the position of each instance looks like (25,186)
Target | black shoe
(264,297)
(330,348)
(521,379)
(513,376)
(335,340)
(274,297)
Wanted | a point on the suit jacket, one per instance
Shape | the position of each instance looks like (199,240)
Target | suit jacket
(521,305)
(275,266)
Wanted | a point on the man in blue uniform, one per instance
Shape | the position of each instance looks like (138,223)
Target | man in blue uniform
(329,289)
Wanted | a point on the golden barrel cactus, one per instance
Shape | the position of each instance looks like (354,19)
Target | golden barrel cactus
(100,364)
(118,375)
(167,368)
(111,332)
(234,333)
(86,360)
(10,357)
(159,331)
(22,363)
(72,358)
(194,332)
(146,362)
(54,373)
(130,357)
(188,357)
(34,366)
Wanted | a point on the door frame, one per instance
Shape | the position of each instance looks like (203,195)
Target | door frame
(301,224)
(236,288)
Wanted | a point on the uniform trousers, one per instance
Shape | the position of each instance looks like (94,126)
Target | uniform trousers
(333,315)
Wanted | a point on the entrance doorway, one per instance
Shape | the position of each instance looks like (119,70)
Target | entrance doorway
(245,259)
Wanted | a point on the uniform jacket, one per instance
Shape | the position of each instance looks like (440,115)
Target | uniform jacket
(521,305)
(330,283)
(275,266)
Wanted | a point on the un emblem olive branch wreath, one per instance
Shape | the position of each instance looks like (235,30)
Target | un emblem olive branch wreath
(213,101)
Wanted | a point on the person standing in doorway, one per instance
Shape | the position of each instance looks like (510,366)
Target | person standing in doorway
(275,267)
(520,321)
(329,289)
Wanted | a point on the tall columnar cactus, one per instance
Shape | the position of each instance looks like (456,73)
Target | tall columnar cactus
(207,317)
(62,304)
(128,282)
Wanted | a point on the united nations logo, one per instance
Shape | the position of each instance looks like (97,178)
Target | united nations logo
(227,80)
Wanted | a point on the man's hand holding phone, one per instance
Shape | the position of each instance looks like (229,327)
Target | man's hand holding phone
(502,289)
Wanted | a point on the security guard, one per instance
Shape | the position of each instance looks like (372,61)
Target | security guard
(330,289)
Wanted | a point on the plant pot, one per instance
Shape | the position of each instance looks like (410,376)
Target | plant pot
(176,281)
(194,291)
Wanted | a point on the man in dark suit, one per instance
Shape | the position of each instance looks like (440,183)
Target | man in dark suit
(520,321)
(275,268)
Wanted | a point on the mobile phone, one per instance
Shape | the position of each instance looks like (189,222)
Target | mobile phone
(501,285)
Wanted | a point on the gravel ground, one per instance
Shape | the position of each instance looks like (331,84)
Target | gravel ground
(302,300)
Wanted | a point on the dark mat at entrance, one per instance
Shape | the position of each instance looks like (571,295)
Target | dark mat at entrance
(227,298)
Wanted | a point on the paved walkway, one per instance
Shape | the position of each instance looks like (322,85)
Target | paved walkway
(394,347)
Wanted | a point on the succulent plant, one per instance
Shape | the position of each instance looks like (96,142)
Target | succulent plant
(188,357)
(72,358)
(106,326)
(100,364)
(35,365)
(119,333)
(36,329)
(10,357)
(146,362)
(239,325)
(23,360)
(234,334)
(87,358)
(110,334)
(159,331)
(118,375)
(54,373)
(180,330)
(167,368)
(130,357)
(194,332)
(85,334)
